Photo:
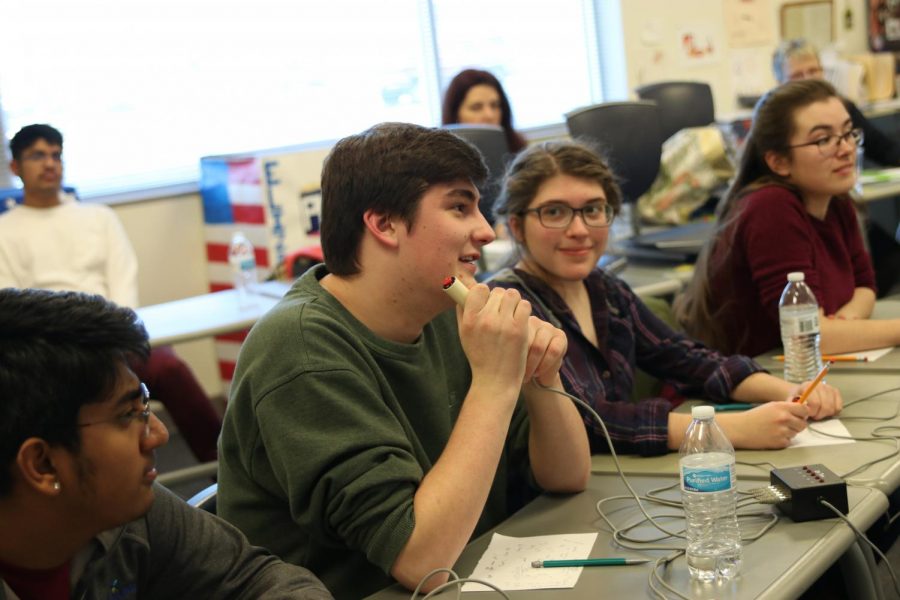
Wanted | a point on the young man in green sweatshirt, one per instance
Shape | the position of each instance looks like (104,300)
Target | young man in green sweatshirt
(373,426)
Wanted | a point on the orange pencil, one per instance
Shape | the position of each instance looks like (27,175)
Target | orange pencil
(819,377)
(833,358)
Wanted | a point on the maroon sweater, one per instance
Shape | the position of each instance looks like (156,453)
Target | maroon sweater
(773,236)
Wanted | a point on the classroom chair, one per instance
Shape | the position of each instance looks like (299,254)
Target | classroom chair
(205,499)
(491,142)
(628,133)
(681,104)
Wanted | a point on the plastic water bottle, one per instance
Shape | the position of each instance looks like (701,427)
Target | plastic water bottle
(243,267)
(799,316)
(708,492)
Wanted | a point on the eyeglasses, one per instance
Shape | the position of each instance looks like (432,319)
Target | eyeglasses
(828,145)
(40,157)
(127,418)
(559,216)
(810,73)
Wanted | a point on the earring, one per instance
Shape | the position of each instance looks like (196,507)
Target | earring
(56,486)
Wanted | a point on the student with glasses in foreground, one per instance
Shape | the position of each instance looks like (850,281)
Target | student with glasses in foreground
(559,199)
(80,514)
(788,210)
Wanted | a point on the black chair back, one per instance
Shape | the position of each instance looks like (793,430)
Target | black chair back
(491,142)
(628,133)
(681,104)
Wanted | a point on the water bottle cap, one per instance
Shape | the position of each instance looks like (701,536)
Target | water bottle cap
(703,412)
(796,276)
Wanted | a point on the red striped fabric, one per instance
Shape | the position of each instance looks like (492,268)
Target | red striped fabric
(245,171)
(226,370)
(236,336)
(248,213)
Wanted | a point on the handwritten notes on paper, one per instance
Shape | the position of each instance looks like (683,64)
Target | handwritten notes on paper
(507,562)
(813,435)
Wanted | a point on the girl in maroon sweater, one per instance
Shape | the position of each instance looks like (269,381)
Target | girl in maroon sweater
(788,210)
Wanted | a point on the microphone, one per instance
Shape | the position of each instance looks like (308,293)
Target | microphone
(456,290)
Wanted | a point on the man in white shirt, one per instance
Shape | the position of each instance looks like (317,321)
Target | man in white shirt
(53,242)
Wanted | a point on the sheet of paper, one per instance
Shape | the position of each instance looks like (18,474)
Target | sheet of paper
(870,355)
(808,437)
(507,562)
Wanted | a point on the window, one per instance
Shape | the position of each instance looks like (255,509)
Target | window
(141,89)
(536,49)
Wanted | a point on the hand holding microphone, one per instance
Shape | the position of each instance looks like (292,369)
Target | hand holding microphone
(546,345)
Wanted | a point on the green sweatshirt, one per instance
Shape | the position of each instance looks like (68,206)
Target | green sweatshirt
(330,429)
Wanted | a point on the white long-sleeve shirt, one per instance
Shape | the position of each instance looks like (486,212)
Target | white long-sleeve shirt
(72,246)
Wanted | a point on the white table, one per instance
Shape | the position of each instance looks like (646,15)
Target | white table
(656,280)
(880,190)
(888,308)
(209,314)
(781,564)
(841,459)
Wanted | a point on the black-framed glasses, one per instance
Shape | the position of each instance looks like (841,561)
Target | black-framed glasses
(127,418)
(559,216)
(828,145)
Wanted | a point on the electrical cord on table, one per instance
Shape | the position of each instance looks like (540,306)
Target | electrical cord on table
(620,534)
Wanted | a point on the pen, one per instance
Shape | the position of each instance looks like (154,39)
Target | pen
(733,406)
(589,562)
(815,382)
(835,358)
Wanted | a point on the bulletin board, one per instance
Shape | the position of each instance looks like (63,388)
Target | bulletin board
(883,25)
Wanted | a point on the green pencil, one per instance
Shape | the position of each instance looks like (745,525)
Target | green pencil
(589,562)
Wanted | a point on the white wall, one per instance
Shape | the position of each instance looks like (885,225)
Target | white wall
(652,45)
(167,234)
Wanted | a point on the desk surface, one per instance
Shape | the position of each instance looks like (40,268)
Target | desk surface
(884,309)
(879,190)
(841,459)
(783,563)
(209,314)
(656,280)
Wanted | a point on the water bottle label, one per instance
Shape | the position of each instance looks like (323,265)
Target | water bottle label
(247,264)
(799,326)
(706,479)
